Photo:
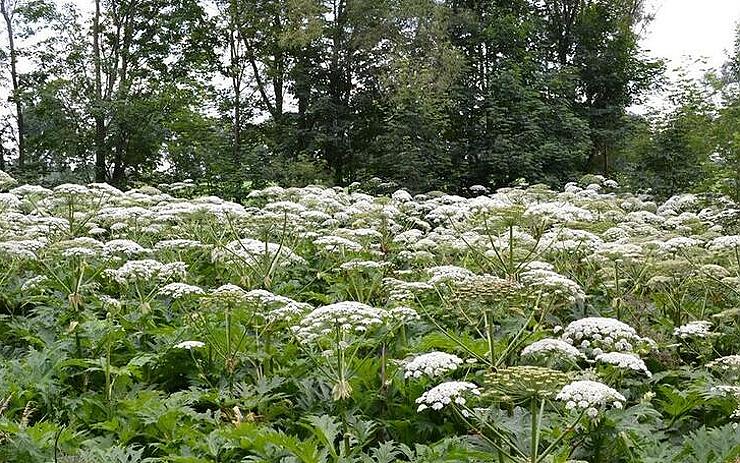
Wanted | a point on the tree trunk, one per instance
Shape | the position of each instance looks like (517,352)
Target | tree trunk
(2,156)
(122,136)
(99,116)
(335,155)
(236,71)
(119,167)
(16,96)
(237,124)
(279,62)
(303,93)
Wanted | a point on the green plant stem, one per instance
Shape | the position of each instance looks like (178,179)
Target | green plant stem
(228,357)
(511,249)
(535,431)
(108,383)
(616,283)
(497,445)
(489,337)
(557,441)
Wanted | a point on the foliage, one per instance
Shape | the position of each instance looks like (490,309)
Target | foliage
(332,325)
(237,93)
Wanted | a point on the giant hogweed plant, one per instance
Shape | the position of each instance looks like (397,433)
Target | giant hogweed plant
(330,325)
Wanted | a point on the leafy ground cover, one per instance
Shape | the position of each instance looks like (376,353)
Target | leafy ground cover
(332,325)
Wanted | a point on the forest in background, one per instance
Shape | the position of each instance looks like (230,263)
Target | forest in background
(239,94)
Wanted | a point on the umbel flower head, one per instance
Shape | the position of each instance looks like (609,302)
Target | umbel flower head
(180,290)
(403,314)
(693,330)
(624,361)
(552,348)
(485,288)
(590,396)
(518,383)
(552,284)
(344,318)
(448,273)
(253,252)
(596,335)
(277,308)
(229,292)
(432,364)
(445,394)
(146,270)
(724,243)
(189,345)
(729,364)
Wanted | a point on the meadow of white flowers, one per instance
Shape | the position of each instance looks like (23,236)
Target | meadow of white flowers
(332,325)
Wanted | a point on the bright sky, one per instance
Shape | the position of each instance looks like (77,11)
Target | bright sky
(684,30)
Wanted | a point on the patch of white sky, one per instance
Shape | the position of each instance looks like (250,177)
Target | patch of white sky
(691,36)
(686,30)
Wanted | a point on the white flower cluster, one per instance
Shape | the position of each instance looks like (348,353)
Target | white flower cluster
(561,212)
(624,361)
(126,247)
(679,243)
(727,363)
(278,308)
(255,252)
(363,265)
(401,291)
(347,317)
(447,213)
(180,290)
(110,301)
(432,364)
(446,273)
(189,345)
(34,283)
(478,189)
(29,190)
(21,249)
(71,189)
(679,203)
(569,240)
(229,291)
(596,335)
(403,314)
(553,284)
(446,393)
(618,251)
(725,389)
(723,243)
(552,347)
(590,396)
(696,329)
(402,196)
(146,270)
(408,237)
(80,247)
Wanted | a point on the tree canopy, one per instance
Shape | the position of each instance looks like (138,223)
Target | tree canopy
(430,94)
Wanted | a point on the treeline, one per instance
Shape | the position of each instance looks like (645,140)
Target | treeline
(693,144)
(431,94)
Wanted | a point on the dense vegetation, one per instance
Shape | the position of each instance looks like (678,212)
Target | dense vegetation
(236,93)
(322,324)
(162,299)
